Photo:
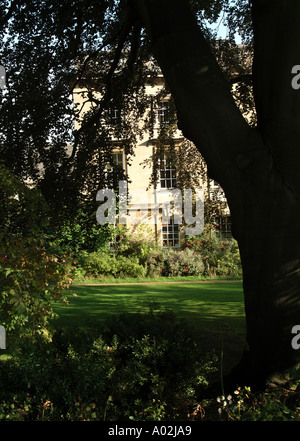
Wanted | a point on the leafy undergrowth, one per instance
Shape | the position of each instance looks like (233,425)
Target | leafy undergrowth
(139,367)
(273,404)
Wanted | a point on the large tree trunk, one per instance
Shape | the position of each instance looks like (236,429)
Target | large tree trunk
(258,169)
(270,253)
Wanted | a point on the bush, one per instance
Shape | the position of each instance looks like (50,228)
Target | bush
(81,233)
(56,381)
(171,263)
(140,366)
(139,243)
(272,404)
(106,265)
(135,256)
(95,264)
(31,276)
(31,279)
(220,257)
(129,267)
(161,369)
(182,263)
(155,263)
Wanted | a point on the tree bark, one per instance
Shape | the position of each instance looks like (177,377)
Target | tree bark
(257,168)
(269,249)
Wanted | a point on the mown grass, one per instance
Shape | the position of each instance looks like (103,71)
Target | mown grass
(213,311)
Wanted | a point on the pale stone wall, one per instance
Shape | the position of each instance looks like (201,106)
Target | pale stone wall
(139,175)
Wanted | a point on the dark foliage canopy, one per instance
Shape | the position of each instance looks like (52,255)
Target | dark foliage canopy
(49,49)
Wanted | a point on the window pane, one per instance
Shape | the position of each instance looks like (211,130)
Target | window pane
(170,234)
(167,172)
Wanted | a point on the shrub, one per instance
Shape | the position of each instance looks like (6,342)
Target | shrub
(155,263)
(95,264)
(140,366)
(139,243)
(81,233)
(171,263)
(182,263)
(135,256)
(57,379)
(160,368)
(31,279)
(229,263)
(107,265)
(272,404)
(220,257)
(129,267)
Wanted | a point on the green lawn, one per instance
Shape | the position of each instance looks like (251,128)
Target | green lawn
(215,311)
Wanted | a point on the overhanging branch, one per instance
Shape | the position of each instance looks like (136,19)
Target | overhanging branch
(207,112)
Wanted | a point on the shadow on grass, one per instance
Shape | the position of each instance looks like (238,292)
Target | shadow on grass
(214,312)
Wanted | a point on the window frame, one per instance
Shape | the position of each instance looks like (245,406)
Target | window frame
(224,224)
(171,229)
(162,116)
(165,171)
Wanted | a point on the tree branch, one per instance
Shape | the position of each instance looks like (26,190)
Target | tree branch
(245,78)
(121,36)
(207,113)
(14,5)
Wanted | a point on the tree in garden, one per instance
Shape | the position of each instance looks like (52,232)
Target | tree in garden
(256,165)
